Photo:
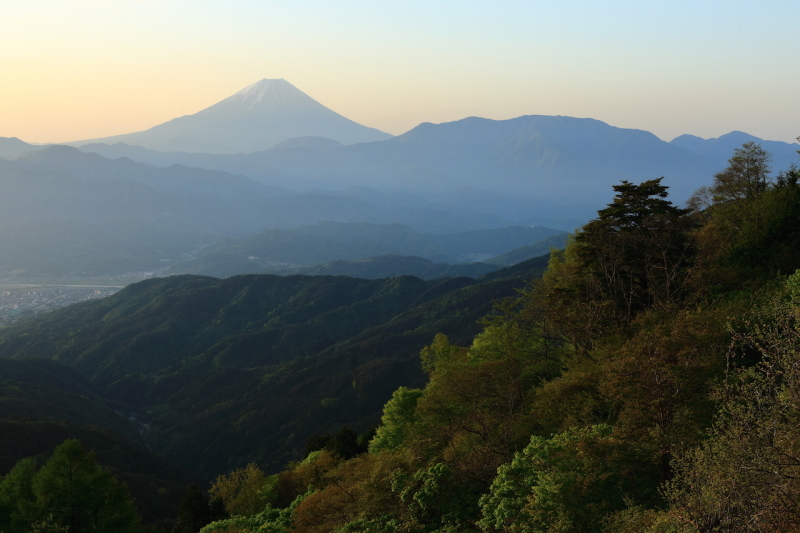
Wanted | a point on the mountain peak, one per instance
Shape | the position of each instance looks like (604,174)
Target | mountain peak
(266,94)
(256,118)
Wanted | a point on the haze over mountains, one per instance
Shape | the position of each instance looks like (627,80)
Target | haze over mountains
(150,200)
(255,118)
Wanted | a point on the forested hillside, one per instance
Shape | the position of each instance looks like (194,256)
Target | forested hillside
(646,381)
(218,370)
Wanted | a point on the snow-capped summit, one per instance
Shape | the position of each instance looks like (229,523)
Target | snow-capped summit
(264,96)
(268,93)
(256,118)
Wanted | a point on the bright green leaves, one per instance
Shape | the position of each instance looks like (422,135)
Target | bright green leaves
(566,483)
(437,498)
(438,354)
(399,414)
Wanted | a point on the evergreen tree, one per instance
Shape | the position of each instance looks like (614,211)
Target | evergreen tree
(82,495)
(638,248)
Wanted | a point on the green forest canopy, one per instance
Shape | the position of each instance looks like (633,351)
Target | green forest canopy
(648,382)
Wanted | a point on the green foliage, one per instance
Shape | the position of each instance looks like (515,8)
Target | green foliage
(243,492)
(82,495)
(216,369)
(747,174)
(745,477)
(269,520)
(381,524)
(17,497)
(566,483)
(398,416)
(346,443)
(437,499)
(750,229)
(156,485)
(70,491)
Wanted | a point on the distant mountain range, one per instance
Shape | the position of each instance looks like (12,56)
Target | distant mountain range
(256,118)
(720,149)
(120,207)
(11,147)
(392,266)
(532,166)
(546,170)
(64,212)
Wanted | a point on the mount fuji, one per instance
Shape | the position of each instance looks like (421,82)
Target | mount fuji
(256,118)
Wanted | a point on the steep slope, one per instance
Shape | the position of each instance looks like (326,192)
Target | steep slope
(42,389)
(256,118)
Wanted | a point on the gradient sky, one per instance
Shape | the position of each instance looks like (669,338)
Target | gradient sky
(78,69)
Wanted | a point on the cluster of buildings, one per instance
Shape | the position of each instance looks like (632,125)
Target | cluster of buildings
(19,302)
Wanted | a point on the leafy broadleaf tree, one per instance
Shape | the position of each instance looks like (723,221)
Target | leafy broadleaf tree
(398,416)
(746,176)
(244,492)
(746,477)
(566,483)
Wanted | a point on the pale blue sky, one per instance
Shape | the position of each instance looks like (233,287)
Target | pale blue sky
(76,69)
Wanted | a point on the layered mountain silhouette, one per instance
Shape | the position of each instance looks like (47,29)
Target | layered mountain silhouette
(721,148)
(256,118)
(283,251)
(11,147)
(522,165)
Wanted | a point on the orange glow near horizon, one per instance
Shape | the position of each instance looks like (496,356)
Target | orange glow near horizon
(82,69)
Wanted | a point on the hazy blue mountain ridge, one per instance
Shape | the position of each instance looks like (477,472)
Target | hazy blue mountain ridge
(11,147)
(65,212)
(300,249)
(721,148)
(390,266)
(175,179)
(558,165)
(530,251)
